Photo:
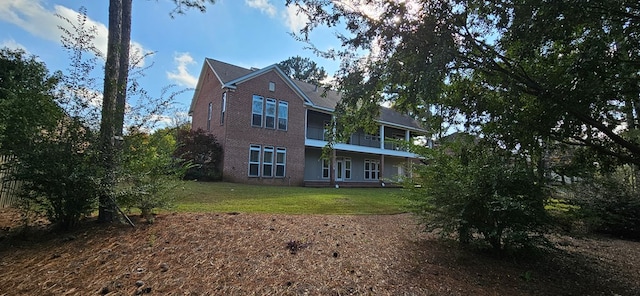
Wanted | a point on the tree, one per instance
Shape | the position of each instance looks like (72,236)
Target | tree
(202,152)
(27,101)
(149,171)
(303,69)
(523,72)
(51,148)
(114,94)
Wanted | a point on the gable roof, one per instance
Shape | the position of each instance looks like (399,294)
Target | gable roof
(225,71)
(314,96)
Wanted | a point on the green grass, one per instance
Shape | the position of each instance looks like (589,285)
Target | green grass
(228,197)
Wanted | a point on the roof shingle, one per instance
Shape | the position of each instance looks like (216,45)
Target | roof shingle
(317,95)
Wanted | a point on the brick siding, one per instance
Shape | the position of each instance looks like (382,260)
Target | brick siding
(237,134)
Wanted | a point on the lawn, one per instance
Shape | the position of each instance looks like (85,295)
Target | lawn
(229,197)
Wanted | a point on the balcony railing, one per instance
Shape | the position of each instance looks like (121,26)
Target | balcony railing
(315,133)
(356,139)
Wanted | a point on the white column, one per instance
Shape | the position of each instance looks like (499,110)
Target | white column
(381,136)
(407,135)
(306,123)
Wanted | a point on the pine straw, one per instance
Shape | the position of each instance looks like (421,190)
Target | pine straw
(251,254)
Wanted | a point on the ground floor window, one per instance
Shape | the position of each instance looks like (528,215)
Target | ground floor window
(325,169)
(261,161)
(254,161)
(347,168)
(267,162)
(371,169)
(281,162)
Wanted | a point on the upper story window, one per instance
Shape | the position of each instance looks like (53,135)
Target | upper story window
(283,115)
(223,108)
(374,138)
(272,86)
(256,111)
(209,111)
(270,114)
(274,112)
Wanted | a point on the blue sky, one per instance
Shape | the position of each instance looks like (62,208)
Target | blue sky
(248,33)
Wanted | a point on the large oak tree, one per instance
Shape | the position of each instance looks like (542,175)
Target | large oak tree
(525,72)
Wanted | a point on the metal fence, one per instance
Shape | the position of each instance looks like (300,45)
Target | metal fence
(8,189)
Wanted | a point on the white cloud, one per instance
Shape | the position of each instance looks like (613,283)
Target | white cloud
(294,18)
(263,5)
(374,9)
(31,16)
(181,75)
(12,44)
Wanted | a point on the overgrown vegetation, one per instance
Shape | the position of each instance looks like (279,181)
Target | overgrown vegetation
(609,203)
(149,173)
(49,126)
(51,149)
(58,176)
(553,87)
(477,191)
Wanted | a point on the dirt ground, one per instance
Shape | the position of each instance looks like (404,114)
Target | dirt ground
(264,254)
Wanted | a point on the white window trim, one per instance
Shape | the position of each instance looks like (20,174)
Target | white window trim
(325,167)
(209,114)
(268,102)
(267,162)
(374,167)
(253,100)
(283,151)
(223,108)
(348,168)
(251,149)
(286,117)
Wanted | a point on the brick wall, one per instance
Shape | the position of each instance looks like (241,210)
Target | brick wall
(237,134)
(211,92)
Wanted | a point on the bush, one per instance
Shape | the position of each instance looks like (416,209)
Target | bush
(480,192)
(202,151)
(610,203)
(58,174)
(149,172)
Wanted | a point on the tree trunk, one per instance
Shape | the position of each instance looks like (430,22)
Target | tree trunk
(123,72)
(107,210)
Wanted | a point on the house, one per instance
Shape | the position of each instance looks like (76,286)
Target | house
(272,131)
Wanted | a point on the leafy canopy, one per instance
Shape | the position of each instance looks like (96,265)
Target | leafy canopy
(303,69)
(520,71)
(27,102)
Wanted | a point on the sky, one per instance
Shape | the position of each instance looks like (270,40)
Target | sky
(247,33)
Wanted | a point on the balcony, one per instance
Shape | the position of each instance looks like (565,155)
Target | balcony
(317,123)
(315,133)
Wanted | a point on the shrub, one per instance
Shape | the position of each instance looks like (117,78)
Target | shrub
(149,172)
(610,203)
(58,174)
(480,192)
(202,151)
